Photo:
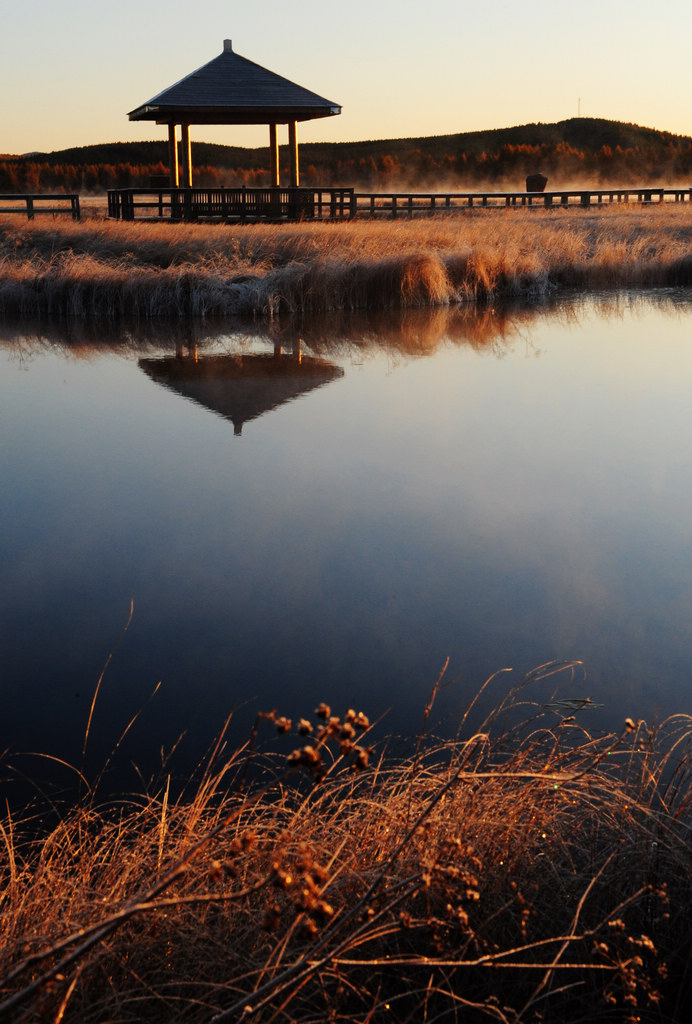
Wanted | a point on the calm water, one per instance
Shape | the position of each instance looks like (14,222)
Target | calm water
(501,490)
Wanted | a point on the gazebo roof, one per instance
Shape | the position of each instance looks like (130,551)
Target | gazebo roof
(241,388)
(231,89)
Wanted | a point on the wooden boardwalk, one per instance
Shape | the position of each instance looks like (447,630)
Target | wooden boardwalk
(246,205)
(412,204)
(32,203)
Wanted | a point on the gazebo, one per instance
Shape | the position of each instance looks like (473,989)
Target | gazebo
(231,89)
(242,387)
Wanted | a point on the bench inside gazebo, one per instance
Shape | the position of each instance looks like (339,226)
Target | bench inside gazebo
(231,90)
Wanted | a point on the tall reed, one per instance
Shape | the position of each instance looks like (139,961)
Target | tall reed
(113,270)
(519,873)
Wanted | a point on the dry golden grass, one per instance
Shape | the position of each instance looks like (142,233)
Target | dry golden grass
(112,269)
(519,874)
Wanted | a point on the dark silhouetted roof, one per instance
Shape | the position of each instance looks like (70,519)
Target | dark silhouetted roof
(233,90)
(242,387)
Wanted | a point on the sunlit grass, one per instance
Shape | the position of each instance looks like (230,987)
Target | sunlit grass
(514,874)
(112,269)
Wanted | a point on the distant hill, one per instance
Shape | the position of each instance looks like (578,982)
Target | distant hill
(583,133)
(580,149)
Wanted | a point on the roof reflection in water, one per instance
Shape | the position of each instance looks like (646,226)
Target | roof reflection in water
(241,387)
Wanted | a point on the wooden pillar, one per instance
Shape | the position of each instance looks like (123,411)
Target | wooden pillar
(186,155)
(274,155)
(293,154)
(173,174)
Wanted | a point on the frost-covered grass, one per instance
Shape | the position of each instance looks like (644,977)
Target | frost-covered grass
(532,873)
(99,268)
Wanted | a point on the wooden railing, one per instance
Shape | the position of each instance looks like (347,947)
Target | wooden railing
(231,204)
(410,204)
(31,203)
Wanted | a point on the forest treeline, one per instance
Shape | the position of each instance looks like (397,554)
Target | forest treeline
(589,150)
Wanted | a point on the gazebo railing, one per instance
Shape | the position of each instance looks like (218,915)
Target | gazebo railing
(231,204)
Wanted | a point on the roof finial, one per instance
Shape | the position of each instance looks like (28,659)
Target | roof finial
(228,46)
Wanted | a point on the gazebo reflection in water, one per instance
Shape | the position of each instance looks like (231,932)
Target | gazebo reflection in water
(241,387)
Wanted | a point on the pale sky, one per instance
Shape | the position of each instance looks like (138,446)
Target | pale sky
(71,69)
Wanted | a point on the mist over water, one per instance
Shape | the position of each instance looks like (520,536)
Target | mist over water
(328,510)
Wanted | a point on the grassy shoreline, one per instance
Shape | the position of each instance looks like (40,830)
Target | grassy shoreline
(112,271)
(517,874)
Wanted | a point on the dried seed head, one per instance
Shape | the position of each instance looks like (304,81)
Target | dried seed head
(457,914)
(308,928)
(304,727)
(242,843)
(305,755)
(283,725)
(311,889)
(361,758)
(323,711)
(323,910)
(281,879)
(309,757)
